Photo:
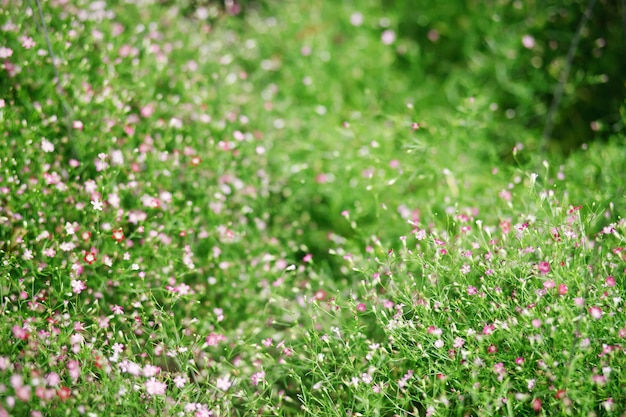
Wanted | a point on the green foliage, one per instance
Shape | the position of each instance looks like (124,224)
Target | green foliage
(299,208)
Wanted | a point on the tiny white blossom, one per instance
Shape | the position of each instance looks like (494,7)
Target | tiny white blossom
(97,204)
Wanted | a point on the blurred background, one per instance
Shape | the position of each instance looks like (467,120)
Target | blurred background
(515,51)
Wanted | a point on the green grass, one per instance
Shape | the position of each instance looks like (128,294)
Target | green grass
(280,213)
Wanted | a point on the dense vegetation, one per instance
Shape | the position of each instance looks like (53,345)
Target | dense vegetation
(311,208)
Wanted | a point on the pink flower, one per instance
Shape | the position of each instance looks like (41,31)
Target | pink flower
(5,52)
(529,42)
(78,286)
(214,339)
(180,381)
(154,387)
(488,329)
(64,393)
(361,307)
(118,235)
(257,377)
(20,332)
(90,257)
(27,42)
(543,267)
(458,343)
(46,145)
(23,393)
(388,37)
(223,384)
(596,312)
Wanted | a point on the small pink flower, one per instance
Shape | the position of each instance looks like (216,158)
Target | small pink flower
(529,42)
(257,377)
(27,42)
(492,349)
(214,339)
(118,235)
(5,52)
(356,19)
(46,145)
(543,267)
(599,379)
(78,286)
(458,343)
(361,307)
(319,295)
(610,281)
(64,393)
(388,37)
(23,393)
(154,387)
(223,384)
(20,332)
(563,289)
(596,313)
(90,257)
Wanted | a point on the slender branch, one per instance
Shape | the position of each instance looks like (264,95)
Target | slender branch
(560,88)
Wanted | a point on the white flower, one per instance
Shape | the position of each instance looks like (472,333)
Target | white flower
(97,204)
(46,145)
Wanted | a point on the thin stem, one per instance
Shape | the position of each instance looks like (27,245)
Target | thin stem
(560,88)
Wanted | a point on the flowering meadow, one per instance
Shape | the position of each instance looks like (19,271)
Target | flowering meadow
(292,209)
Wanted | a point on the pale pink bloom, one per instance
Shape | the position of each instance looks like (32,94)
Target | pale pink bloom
(154,387)
(46,145)
(223,384)
(214,339)
(596,312)
(543,267)
(5,52)
(78,286)
(180,381)
(356,19)
(388,37)
(257,377)
(27,42)
(151,370)
(528,41)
